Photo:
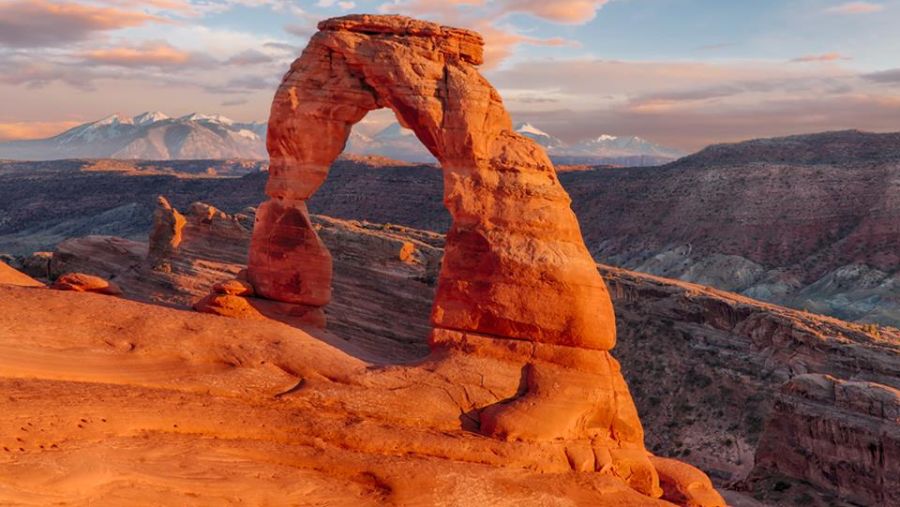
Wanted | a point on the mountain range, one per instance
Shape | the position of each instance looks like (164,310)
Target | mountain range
(148,136)
(156,136)
(606,149)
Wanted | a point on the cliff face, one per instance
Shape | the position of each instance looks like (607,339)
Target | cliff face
(837,434)
(705,367)
(732,362)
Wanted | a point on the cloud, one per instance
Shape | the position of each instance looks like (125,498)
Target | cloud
(714,47)
(40,23)
(855,8)
(234,102)
(501,42)
(33,130)
(689,104)
(558,11)
(694,128)
(283,46)
(249,57)
(826,57)
(891,76)
(149,54)
(302,30)
(39,72)
(330,3)
(492,20)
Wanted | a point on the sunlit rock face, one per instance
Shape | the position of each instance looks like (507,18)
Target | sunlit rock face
(517,283)
(515,265)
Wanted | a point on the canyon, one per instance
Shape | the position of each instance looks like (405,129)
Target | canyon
(809,222)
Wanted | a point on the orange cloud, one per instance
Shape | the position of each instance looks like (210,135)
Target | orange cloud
(855,8)
(500,42)
(33,130)
(559,11)
(159,54)
(827,57)
(38,23)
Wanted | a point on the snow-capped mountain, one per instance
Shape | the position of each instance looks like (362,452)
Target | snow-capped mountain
(603,149)
(626,146)
(156,136)
(148,136)
(539,136)
(400,143)
(394,141)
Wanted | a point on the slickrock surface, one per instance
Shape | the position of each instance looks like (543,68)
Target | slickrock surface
(11,276)
(193,409)
(718,359)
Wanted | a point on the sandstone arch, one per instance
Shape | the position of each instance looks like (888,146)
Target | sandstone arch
(518,290)
(515,264)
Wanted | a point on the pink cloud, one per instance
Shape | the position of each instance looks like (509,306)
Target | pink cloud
(486,18)
(500,42)
(559,11)
(855,8)
(37,23)
(826,57)
(157,54)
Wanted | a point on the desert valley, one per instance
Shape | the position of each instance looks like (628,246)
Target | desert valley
(451,309)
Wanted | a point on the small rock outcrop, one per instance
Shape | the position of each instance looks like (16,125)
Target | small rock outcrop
(517,283)
(80,282)
(165,237)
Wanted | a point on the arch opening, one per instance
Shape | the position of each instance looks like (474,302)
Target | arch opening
(384,269)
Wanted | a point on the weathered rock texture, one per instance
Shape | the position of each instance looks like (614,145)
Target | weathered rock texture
(80,282)
(836,434)
(165,237)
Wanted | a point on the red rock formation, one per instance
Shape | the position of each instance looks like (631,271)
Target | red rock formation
(80,282)
(165,237)
(516,284)
(507,258)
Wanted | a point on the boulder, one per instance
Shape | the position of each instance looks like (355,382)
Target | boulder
(80,282)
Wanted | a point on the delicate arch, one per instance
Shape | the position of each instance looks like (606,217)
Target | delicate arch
(515,264)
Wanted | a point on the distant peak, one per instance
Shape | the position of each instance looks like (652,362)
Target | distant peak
(113,119)
(528,128)
(394,130)
(214,118)
(607,137)
(149,117)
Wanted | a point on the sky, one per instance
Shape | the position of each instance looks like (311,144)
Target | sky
(684,73)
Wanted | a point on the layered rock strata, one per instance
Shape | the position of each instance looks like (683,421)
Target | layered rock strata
(837,434)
